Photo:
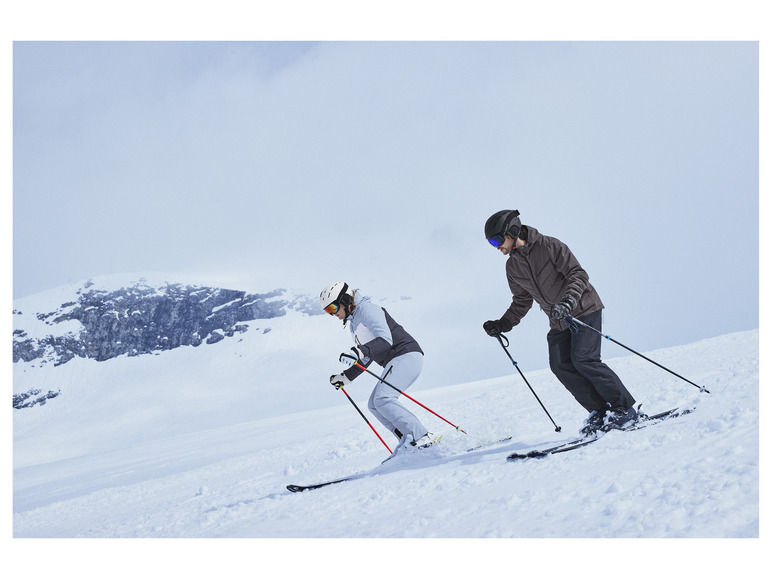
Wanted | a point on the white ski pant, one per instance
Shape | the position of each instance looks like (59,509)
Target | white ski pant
(401,372)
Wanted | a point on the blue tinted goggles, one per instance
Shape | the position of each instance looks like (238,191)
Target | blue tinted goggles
(496,241)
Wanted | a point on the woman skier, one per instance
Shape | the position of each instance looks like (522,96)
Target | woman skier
(378,338)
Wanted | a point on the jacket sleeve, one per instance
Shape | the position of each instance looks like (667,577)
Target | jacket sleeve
(521,303)
(567,264)
(354,371)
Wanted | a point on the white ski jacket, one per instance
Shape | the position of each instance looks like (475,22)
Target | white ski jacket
(378,336)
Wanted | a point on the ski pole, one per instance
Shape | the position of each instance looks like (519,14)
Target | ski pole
(358,365)
(501,339)
(570,320)
(365,418)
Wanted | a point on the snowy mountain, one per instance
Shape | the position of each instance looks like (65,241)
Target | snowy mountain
(169,357)
(139,318)
(151,440)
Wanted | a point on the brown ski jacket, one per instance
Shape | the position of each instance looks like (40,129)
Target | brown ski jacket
(544,270)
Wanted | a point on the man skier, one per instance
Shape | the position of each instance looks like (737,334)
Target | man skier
(379,339)
(544,269)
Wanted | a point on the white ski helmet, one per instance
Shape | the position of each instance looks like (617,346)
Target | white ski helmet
(337,294)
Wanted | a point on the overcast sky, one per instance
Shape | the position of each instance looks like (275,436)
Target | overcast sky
(268,164)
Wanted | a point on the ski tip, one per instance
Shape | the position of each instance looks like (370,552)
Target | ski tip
(532,454)
(295,488)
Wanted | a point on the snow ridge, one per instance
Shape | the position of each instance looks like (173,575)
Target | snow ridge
(140,318)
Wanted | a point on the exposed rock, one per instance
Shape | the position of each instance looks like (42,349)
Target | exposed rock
(33,398)
(142,319)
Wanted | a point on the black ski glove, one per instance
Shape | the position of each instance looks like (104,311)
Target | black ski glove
(564,307)
(496,327)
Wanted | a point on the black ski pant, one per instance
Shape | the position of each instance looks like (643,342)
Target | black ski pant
(575,360)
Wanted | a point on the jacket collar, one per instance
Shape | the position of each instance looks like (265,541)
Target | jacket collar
(358,299)
(533,236)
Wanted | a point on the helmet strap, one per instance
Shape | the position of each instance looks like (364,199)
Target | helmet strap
(347,303)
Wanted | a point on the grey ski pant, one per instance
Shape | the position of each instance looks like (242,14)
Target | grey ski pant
(575,360)
(401,372)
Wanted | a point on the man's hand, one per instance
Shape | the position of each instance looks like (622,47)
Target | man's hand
(496,327)
(564,307)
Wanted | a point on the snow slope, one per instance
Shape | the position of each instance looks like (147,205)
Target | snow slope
(201,442)
(696,476)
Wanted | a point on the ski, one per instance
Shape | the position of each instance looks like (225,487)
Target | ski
(399,452)
(300,488)
(649,420)
(487,444)
(562,447)
(589,439)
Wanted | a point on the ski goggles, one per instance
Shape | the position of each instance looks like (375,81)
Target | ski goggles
(496,241)
(333,308)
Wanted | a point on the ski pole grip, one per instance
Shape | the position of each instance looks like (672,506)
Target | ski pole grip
(347,358)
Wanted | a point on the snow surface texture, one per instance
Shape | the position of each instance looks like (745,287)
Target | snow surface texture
(200,442)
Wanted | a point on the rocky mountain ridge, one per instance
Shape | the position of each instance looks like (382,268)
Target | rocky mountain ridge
(141,319)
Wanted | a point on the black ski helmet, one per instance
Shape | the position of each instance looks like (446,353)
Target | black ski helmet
(504,222)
